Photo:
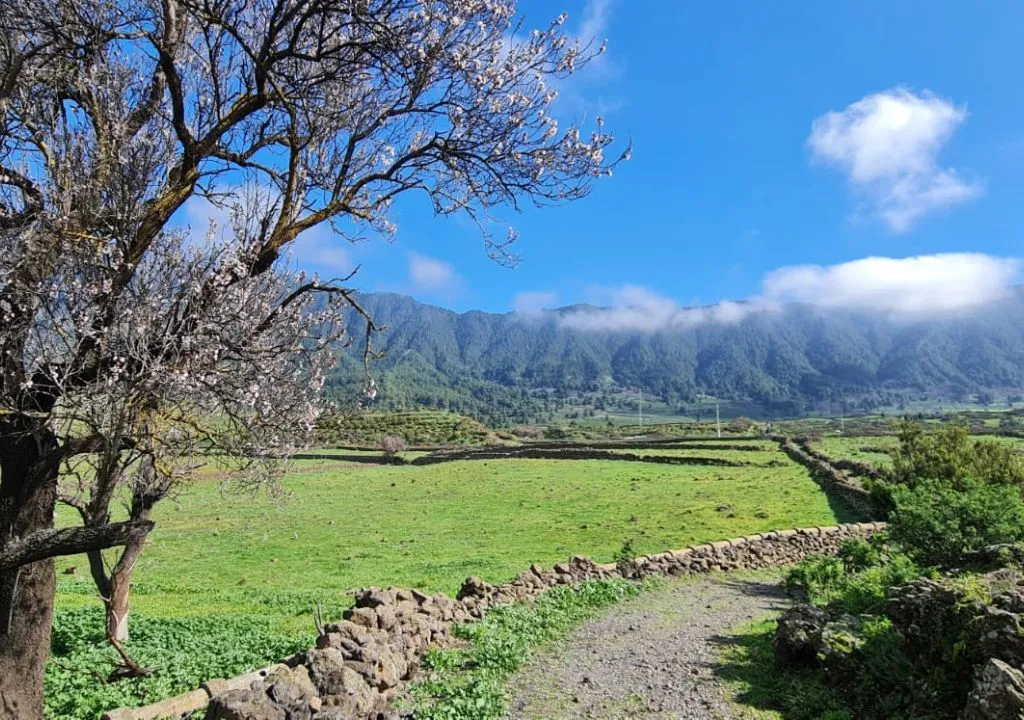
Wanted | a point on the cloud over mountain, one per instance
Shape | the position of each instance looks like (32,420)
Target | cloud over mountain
(899,287)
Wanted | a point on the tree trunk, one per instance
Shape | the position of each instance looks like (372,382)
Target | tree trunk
(120,586)
(28,494)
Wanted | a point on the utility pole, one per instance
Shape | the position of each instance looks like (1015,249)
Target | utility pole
(640,407)
(718,421)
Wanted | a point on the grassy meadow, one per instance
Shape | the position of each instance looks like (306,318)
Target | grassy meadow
(872,449)
(244,572)
(343,526)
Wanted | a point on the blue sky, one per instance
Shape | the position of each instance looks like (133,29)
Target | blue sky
(739,170)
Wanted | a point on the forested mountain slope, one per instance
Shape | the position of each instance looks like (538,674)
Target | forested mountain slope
(501,366)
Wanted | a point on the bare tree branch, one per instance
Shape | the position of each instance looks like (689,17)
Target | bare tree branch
(68,541)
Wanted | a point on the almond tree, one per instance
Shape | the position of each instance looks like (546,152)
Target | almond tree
(241,380)
(114,113)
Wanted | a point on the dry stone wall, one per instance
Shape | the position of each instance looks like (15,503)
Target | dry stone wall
(358,666)
(576,453)
(856,467)
(831,478)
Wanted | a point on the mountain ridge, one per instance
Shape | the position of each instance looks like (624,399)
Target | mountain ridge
(503,367)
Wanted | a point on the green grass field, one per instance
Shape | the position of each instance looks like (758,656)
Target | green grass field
(348,526)
(247,572)
(862,449)
(868,448)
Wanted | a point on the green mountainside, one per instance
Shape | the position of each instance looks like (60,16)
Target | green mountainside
(512,368)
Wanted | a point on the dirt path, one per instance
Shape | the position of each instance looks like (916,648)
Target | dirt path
(652,657)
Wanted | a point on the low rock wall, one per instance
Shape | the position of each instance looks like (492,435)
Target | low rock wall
(578,453)
(673,444)
(831,478)
(856,467)
(358,665)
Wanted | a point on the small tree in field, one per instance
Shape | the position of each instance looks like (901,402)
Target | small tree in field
(126,343)
(392,445)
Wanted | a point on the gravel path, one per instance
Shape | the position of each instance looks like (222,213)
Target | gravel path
(651,657)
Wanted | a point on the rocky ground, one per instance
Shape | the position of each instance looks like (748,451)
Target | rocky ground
(652,657)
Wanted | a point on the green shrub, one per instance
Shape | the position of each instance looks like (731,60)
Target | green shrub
(936,522)
(866,591)
(856,582)
(950,454)
(820,577)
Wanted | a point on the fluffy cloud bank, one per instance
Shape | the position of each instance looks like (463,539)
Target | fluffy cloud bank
(914,285)
(902,287)
(888,145)
(639,308)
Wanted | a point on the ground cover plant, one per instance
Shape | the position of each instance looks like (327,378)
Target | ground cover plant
(344,526)
(184,652)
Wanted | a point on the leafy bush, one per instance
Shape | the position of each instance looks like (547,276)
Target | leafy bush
(937,522)
(857,581)
(183,653)
(950,454)
(820,578)
(468,684)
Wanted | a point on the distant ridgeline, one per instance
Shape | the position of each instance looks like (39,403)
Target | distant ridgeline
(508,367)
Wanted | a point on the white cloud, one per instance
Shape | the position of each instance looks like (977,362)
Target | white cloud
(532,303)
(429,275)
(903,288)
(924,284)
(637,308)
(888,145)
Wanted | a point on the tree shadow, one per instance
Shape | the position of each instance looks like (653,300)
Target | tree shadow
(759,588)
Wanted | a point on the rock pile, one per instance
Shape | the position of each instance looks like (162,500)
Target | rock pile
(357,665)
